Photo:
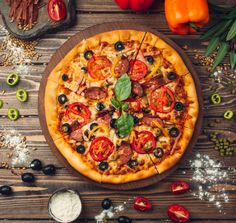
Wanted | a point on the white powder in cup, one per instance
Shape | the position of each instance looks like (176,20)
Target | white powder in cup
(65,206)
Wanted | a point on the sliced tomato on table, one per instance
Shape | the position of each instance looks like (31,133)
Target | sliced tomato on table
(99,67)
(162,100)
(179,187)
(134,104)
(178,213)
(142,204)
(143,142)
(101,148)
(138,70)
(56,10)
(78,111)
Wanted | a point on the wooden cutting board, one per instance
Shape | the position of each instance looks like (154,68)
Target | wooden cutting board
(44,23)
(60,54)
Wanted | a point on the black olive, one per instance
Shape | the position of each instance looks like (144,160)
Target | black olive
(106,203)
(62,99)
(36,165)
(5,190)
(86,133)
(171,75)
(80,149)
(88,54)
(179,106)
(119,46)
(124,219)
(49,169)
(132,163)
(100,106)
(84,69)
(158,152)
(174,132)
(145,110)
(113,123)
(136,119)
(103,165)
(93,125)
(150,59)
(65,77)
(66,128)
(27,177)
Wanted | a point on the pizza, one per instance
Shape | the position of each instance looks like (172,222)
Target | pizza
(121,106)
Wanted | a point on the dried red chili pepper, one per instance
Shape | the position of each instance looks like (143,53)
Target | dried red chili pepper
(179,187)
(142,204)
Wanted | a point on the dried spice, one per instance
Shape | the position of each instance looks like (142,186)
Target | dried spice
(17,53)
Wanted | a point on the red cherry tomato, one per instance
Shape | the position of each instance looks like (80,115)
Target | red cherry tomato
(142,204)
(76,110)
(99,67)
(179,187)
(144,142)
(162,100)
(101,148)
(138,70)
(178,213)
(56,10)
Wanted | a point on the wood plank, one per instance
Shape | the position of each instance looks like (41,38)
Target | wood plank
(33,200)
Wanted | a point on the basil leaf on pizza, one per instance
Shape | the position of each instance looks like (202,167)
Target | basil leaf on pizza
(123,88)
(124,124)
(115,103)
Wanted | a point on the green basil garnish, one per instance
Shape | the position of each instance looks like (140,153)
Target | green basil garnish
(123,88)
(124,124)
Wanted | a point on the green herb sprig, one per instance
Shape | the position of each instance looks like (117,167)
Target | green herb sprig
(125,122)
(222,35)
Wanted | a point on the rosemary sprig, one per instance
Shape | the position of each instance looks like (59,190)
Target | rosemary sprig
(222,35)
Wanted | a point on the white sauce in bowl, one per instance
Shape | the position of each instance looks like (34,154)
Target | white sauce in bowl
(65,206)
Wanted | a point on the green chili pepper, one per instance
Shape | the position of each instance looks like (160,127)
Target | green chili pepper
(13,114)
(1,103)
(22,95)
(215,99)
(13,79)
(228,114)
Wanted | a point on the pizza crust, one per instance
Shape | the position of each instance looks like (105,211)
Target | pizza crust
(75,161)
(168,52)
(174,159)
(129,177)
(193,109)
(50,104)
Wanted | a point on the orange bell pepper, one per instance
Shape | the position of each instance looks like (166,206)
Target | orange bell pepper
(186,16)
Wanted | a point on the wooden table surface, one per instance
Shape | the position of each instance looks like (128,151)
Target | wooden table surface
(29,203)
